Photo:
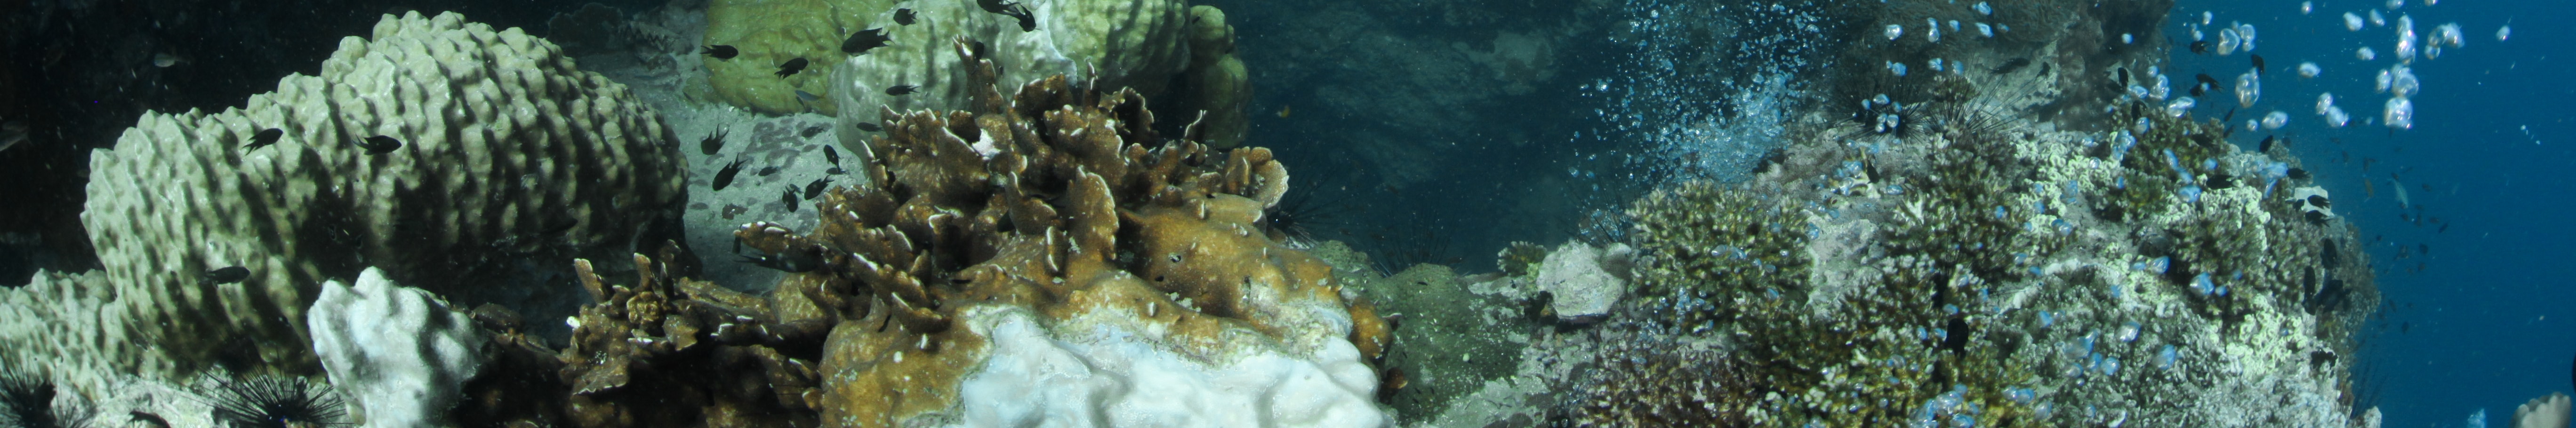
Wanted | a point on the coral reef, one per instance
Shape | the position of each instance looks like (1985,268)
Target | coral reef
(2008,276)
(1116,43)
(506,154)
(2021,248)
(1013,263)
(398,352)
(1137,44)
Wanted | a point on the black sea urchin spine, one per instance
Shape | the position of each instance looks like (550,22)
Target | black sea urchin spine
(26,399)
(276,402)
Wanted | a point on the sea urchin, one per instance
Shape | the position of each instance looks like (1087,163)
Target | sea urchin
(276,402)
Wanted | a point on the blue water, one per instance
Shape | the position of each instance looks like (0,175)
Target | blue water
(2486,321)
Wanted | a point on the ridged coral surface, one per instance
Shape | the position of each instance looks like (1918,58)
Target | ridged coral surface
(506,151)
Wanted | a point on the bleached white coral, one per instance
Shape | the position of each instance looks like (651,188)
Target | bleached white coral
(400,354)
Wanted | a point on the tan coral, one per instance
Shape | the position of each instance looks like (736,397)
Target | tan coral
(1046,203)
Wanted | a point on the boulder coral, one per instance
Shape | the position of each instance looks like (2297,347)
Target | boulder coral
(508,154)
(1037,258)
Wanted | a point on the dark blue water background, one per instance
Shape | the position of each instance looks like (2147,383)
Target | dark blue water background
(2486,322)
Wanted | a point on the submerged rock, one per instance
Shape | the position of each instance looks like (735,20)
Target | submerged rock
(1582,282)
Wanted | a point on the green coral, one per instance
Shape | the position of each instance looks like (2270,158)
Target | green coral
(768,33)
(1732,263)
(1517,259)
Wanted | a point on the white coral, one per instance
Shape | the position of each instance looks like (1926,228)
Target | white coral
(1581,281)
(398,352)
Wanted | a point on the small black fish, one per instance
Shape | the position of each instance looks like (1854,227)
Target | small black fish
(2258,64)
(2266,145)
(811,131)
(2197,89)
(713,142)
(2011,66)
(901,90)
(2206,83)
(790,198)
(767,170)
(1028,20)
(870,127)
(264,138)
(2200,47)
(147,417)
(2446,227)
(2124,76)
(807,97)
(721,52)
(380,144)
(903,16)
(994,6)
(2298,174)
(791,67)
(725,176)
(2319,201)
(815,189)
(835,171)
(565,225)
(860,42)
(794,260)
(832,155)
(227,275)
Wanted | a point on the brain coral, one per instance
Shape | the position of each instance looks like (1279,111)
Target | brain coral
(507,153)
(1028,261)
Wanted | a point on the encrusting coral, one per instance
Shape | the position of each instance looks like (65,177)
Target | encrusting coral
(984,252)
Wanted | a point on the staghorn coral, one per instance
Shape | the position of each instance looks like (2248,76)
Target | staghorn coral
(996,266)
